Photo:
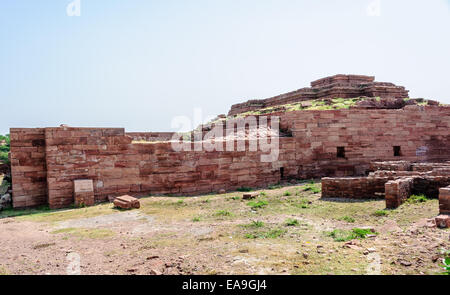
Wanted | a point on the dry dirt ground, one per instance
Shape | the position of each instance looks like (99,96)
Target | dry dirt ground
(286,230)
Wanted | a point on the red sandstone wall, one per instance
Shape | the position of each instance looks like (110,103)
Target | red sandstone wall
(119,167)
(367,135)
(28,169)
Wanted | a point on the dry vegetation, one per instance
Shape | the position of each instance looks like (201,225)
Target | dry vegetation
(286,230)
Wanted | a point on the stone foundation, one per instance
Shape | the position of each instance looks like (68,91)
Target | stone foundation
(398,191)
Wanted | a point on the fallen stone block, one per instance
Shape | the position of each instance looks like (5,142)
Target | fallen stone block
(127,202)
(249,196)
(443,221)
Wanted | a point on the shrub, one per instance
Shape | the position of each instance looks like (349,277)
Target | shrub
(414,199)
(196,219)
(287,194)
(312,187)
(291,222)
(362,232)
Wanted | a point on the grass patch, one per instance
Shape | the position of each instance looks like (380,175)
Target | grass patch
(291,222)
(380,213)
(94,233)
(254,224)
(348,219)
(196,219)
(414,199)
(287,194)
(340,235)
(312,188)
(257,205)
(271,234)
(223,213)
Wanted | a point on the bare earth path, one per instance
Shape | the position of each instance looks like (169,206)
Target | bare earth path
(287,232)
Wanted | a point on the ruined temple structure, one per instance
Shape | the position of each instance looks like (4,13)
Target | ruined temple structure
(319,137)
(343,86)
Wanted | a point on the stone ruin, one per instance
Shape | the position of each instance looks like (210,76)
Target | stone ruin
(383,145)
(395,182)
(342,86)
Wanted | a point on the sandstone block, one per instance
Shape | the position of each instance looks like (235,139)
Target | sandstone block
(443,221)
(249,196)
(127,202)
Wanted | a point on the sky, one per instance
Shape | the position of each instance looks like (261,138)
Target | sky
(138,64)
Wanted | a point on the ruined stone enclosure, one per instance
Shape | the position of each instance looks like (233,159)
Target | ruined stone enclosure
(336,128)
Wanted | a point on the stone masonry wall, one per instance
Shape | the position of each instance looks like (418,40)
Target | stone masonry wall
(353,187)
(422,133)
(398,191)
(343,86)
(28,167)
(118,166)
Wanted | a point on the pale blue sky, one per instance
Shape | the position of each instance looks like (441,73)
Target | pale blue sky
(138,63)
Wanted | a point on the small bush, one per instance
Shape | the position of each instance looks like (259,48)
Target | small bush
(287,194)
(362,233)
(263,194)
(196,219)
(312,187)
(291,222)
(348,219)
(380,213)
(235,198)
(414,199)
(257,205)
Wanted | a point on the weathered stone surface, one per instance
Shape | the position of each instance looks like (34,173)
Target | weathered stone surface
(344,86)
(84,192)
(443,221)
(127,202)
(248,196)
